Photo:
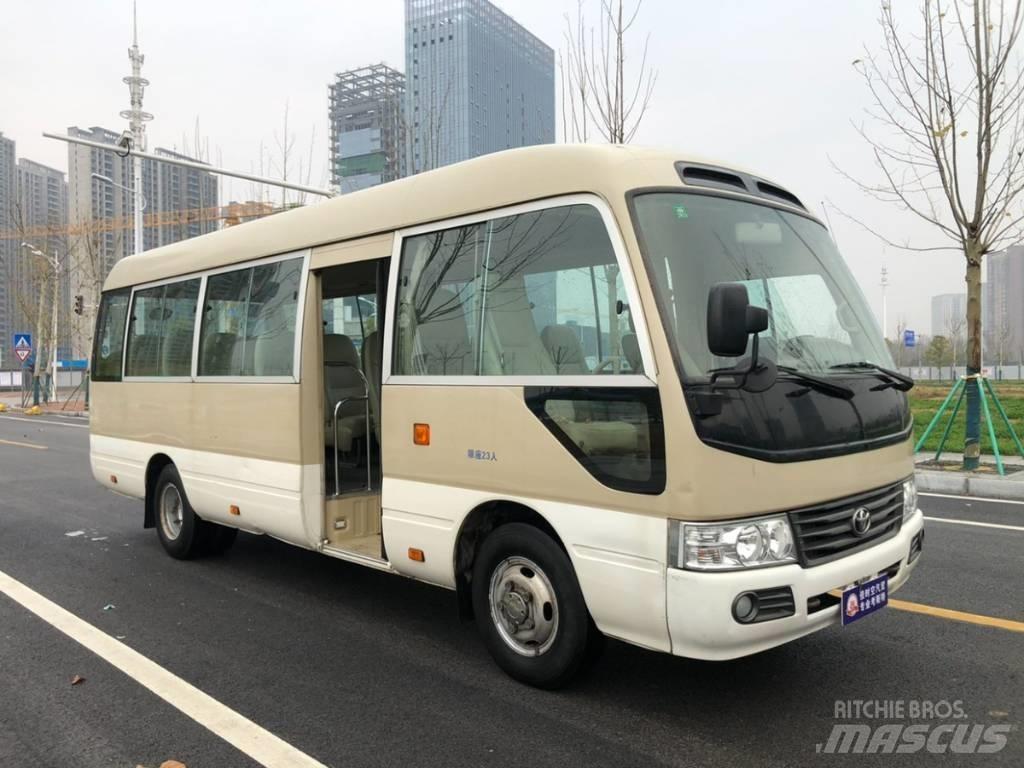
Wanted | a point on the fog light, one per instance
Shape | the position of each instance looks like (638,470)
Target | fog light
(744,608)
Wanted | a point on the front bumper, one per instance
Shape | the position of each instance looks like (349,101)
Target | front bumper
(700,621)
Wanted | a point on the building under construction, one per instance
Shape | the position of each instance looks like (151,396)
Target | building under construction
(366,115)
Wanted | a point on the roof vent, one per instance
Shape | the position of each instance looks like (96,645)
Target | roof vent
(778,192)
(711,177)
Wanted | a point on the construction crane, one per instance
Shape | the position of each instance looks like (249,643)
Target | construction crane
(231,215)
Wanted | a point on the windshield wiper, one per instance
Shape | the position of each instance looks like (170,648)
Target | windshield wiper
(893,379)
(816,382)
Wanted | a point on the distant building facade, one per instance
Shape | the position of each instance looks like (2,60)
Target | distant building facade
(101,204)
(1003,305)
(948,309)
(367,127)
(477,82)
(43,211)
(8,247)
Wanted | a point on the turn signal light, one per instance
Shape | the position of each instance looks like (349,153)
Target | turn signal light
(421,434)
(113,479)
(234,510)
(416,555)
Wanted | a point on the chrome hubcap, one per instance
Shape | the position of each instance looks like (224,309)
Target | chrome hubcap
(172,512)
(523,606)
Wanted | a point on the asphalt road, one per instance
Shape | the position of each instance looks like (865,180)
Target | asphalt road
(359,668)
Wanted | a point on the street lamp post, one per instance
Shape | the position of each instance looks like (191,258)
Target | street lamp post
(140,199)
(55,265)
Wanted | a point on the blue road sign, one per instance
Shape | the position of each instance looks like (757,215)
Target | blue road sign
(74,365)
(22,346)
(909,338)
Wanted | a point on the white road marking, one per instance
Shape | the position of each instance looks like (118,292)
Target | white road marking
(975,523)
(41,421)
(243,734)
(970,498)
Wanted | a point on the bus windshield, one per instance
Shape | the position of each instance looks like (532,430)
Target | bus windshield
(818,317)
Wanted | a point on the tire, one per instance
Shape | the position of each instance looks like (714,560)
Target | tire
(182,533)
(541,633)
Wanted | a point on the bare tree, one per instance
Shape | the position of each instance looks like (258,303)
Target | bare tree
(953,325)
(948,145)
(596,88)
(898,345)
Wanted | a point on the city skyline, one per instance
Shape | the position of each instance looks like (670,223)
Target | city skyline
(750,109)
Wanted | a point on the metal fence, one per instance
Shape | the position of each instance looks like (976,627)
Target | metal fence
(1014,372)
(13,380)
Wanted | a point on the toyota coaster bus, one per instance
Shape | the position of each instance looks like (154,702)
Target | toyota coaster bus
(597,391)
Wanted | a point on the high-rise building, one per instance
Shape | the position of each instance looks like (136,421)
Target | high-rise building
(100,192)
(42,212)
(366,115)
(476,82)
(187,192)
(949,312)
(101,204)
(8,247)
(1002,318)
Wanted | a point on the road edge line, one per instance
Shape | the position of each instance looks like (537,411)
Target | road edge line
(246,736)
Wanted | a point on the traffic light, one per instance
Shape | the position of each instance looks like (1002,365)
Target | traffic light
(79,304)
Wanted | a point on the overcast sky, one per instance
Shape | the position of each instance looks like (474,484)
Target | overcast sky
(768,86)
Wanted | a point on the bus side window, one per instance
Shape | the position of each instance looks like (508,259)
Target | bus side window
(160,330)
(249,320)
(108,344)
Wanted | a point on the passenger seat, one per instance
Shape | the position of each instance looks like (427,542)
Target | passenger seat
(564,348)
(340,382)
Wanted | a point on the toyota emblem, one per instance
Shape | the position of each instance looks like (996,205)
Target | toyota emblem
(861,521)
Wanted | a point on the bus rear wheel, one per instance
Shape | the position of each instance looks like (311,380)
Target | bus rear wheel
(183,534)
(530,609)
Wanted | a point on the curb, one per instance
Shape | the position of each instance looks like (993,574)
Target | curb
(962,484)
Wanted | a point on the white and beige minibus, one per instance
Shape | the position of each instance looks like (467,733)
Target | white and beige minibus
(597,391)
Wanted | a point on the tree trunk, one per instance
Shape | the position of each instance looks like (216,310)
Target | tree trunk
(972,434)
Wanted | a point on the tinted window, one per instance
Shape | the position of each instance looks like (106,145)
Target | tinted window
(160,330)
(249,321)
(615,433)
(108,343)
(538,293)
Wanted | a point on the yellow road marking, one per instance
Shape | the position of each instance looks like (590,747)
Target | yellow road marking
(946,613)
(36,446)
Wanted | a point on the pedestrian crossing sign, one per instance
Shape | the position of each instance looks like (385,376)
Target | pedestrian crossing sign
(22,346)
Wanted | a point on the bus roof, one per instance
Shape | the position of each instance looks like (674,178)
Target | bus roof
(483,183)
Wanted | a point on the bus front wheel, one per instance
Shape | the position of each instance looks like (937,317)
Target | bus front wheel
(530,609)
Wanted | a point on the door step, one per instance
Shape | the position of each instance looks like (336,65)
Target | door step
(354,556)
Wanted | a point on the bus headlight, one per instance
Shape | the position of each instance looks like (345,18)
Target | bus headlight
(731,545)
(909,498)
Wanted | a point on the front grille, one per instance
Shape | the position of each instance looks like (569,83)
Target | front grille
(825,532)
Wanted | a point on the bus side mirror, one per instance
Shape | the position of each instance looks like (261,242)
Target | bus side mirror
(731,319)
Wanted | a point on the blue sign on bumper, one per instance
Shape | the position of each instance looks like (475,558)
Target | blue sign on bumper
(862,599)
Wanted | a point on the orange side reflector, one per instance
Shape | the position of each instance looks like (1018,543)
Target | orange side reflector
(113,479)
(234,510)
(416,555)
(421,434)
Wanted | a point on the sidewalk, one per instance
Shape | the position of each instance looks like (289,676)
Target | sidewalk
(986,482)
(73,408)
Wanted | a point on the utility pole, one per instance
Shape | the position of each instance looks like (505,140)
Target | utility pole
(38,346)
(885,308)
(53,332)
(137,120)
